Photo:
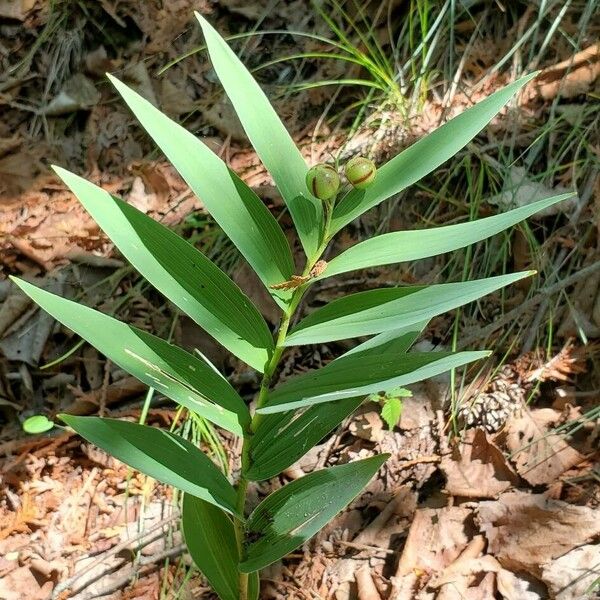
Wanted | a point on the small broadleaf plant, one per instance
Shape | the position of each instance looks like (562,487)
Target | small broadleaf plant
(228,545)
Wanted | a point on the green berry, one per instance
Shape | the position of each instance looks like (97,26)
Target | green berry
(323,181)
(360,172)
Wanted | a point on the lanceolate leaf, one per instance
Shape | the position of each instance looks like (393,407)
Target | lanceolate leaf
(424,156)
(238,210)
(297,511)
(172,371)
(160,454)
(374,311)
(396,340)
(269,137)
(182,273)
(361,374)
(282,438)
(210,538)
(402,246)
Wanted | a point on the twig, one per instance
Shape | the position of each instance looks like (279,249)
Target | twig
(67,584)
(484,332)
(137,570)
(366,547)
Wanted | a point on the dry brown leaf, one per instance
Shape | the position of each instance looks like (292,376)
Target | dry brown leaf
(16,9)
(368,426)
(518,587)
(477,468)
(436,538)
(525,531)
(140,198)
(294,282)
(20,584)
(19,520)
(570,77)
(540,457)
(572,575)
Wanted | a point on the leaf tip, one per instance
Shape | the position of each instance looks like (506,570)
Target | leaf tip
(203,22)
(60,171)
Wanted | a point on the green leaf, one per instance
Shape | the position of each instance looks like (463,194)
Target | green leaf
(37,424)
(294,513)
(282,438)
(269,137)
(360,374)
(162,455)
(396,340)
(182,273)
(374,311)
(400,246)
(234,206)
(172,371)
(210,538)
(391,411)
(424,156)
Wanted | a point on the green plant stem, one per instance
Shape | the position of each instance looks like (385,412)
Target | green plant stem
(265,384)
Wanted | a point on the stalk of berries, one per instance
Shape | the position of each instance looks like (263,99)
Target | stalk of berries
(323,180)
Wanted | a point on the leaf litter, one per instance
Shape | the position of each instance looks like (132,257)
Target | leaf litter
(511,510)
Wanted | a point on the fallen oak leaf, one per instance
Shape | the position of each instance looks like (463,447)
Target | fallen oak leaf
(539,455)
(525,531)
(477,468)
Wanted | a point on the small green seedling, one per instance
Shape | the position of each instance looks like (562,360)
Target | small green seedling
(228,545)
(37,424)
(391,405)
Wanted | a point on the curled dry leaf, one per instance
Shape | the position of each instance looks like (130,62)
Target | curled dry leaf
(368,426)
(539,455)
(571,77)
(525,531)
(572,576)
(477,468)
(519,587)
(294,282)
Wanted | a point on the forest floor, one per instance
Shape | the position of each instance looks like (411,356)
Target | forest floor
(492,489)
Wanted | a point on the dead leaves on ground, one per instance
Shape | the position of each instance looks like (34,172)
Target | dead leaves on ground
(477,468)
(525,531)
(540,456)
(525,546)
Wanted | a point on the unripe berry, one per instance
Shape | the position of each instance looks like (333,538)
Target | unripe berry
(323,182)
(360,172)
